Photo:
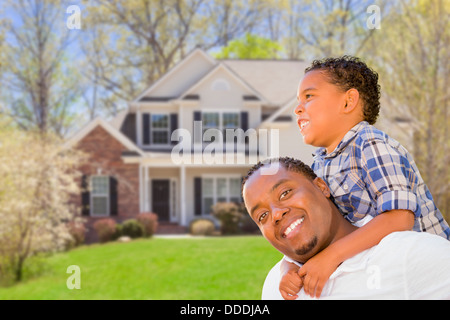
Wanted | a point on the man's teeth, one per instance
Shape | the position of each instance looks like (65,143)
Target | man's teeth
(293,225)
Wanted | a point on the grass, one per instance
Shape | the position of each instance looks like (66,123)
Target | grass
(173,269)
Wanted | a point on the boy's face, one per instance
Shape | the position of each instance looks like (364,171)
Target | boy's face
(318,111)
(292,212)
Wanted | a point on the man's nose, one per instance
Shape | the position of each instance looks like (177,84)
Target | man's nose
(278,214)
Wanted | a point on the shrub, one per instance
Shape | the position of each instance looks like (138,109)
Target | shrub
(78,231)
(106,229)
(201,227)
(132,228)
(247,225)
(149,222)
(229,215)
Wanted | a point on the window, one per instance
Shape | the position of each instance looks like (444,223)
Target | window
(99,196)
(219,189)
(221,121)
(160,129)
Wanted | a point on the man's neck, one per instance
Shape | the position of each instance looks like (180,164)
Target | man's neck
(340,226)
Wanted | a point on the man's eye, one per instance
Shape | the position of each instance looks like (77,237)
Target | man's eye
(284,194)
(308,96)
(262,216)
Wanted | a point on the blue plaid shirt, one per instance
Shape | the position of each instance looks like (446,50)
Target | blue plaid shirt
(370,173)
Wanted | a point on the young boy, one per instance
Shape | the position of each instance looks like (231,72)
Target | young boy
(368,172)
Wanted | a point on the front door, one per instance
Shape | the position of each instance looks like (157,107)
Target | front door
(160,199)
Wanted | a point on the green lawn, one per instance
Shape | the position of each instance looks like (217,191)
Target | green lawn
(193,268)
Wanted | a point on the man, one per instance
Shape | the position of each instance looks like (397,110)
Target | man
(295,214)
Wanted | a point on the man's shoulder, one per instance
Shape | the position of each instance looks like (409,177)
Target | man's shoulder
(402,241)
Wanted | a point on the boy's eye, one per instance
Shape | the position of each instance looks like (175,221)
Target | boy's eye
(284,194)
(307,96)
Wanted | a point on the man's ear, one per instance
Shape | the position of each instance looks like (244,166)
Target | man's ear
(322,185)
(351,100)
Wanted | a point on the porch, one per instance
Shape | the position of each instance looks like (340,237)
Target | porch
(180,194)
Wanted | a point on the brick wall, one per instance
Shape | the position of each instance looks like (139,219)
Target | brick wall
(104,153)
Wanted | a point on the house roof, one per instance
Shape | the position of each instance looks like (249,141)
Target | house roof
(72,141)
(221,66)
(275,80)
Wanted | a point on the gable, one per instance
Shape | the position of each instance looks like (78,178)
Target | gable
(177,80)
(276,80)
(111,132)
(222,88)
(284,116)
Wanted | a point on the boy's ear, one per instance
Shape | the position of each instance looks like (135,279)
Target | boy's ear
(322,185)
(351,100)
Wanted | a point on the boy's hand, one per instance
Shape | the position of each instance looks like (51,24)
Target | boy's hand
(316,272)
(290,285)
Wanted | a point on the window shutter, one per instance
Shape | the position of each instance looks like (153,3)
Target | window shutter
(146,128)
(173,125)
(85,195)
(244,120)
(198,136)
(113,199)
(197,116)
(198,196)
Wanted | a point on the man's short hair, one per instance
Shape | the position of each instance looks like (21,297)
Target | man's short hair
(288,163)
(349,72)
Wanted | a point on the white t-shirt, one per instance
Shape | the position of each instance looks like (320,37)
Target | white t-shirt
(404,265)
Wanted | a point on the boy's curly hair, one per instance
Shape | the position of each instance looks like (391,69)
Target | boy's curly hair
(348,72)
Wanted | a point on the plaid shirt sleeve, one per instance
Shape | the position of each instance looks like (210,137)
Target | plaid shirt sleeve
(389,176)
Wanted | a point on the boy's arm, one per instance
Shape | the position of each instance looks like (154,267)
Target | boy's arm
(316,271)
(290,283)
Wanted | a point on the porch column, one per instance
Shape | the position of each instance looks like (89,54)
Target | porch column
(141,188)
(146,190)
(183,195)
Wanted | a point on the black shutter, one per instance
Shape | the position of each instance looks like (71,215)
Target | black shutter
(85,195)
(173,125)
(197,116)
(197,135)
(244,120)
(113,199)
(198,195)
(146,128)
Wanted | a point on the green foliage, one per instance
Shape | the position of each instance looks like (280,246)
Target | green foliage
(251,47)
(132,228)
(229,215)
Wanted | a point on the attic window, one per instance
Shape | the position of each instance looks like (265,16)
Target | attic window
(220,85)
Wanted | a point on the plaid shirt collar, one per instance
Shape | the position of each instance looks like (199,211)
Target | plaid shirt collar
(349,136)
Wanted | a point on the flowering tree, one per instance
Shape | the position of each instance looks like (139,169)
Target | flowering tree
(38,178)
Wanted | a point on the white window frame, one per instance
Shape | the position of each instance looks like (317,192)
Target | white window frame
(153,129)
(100,195)
(221,127)
(215,196)
(152,143)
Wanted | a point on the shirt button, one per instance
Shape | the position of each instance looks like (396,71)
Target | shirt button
(345,187)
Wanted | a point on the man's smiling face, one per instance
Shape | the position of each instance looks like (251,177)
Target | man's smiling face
(292,211)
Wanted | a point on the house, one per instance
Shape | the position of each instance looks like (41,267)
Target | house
(168,153)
